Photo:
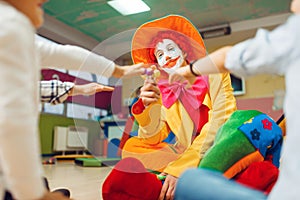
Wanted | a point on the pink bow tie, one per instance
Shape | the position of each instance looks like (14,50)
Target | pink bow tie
(191,97)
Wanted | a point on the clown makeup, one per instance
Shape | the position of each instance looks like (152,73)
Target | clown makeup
(169,56)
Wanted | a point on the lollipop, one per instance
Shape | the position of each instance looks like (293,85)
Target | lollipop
(152,73)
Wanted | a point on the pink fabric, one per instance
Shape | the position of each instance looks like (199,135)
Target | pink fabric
(191,97)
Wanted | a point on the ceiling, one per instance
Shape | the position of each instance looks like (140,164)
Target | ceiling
(90,22)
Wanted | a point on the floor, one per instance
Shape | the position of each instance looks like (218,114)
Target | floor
(85,183)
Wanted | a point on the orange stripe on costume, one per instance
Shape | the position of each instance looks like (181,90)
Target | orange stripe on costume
(243,164)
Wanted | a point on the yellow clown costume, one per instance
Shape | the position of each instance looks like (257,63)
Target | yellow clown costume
(191,116)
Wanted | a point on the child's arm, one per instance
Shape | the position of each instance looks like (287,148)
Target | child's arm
(213,63)
(76,58)
(56,92)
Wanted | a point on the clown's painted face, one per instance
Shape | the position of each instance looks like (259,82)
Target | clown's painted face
(169,56)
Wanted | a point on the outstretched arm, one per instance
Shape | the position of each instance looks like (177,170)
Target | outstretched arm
(213,63)
(76,58)
(89,89)
(56,92)
(128,71)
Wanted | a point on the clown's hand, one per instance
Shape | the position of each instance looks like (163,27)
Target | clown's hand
(150,92)
(168,189)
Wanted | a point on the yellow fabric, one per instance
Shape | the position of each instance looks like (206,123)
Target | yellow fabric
(283,126)
(223,104)
(207,101)
(152,122)
(149,147)
(180,123)
(154,157)
(156,121)
(155,126)
(149,115)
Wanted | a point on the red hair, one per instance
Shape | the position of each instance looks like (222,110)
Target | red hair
(181,40)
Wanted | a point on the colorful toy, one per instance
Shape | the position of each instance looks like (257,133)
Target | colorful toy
(151,73)
(248,137)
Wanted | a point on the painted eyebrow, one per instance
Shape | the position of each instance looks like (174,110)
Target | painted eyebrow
(157,51)
(168,45)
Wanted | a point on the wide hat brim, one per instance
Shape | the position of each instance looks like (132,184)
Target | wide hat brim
(141,42)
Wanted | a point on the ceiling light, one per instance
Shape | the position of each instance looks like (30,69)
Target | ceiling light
(129,7)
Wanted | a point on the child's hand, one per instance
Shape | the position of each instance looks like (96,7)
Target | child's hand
(128,71)
(176,77)
(89,89)
(180,75)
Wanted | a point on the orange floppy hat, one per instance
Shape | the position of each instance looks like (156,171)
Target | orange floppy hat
(142,40)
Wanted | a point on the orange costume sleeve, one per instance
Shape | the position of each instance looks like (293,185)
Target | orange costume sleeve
(152,126)
(148,146)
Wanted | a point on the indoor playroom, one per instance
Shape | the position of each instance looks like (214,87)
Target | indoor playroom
(82,135)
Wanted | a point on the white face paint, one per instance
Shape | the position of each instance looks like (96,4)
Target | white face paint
(169,56)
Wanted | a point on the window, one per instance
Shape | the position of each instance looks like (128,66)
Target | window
(54,109)
(83,112)
(238,85)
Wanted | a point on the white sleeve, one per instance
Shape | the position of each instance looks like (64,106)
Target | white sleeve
(73,58)
(19,140)
(268,52)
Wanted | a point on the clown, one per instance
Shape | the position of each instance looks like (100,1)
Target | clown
(178,122)
(189,124)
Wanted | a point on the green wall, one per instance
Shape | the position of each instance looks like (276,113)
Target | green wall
(49,121)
